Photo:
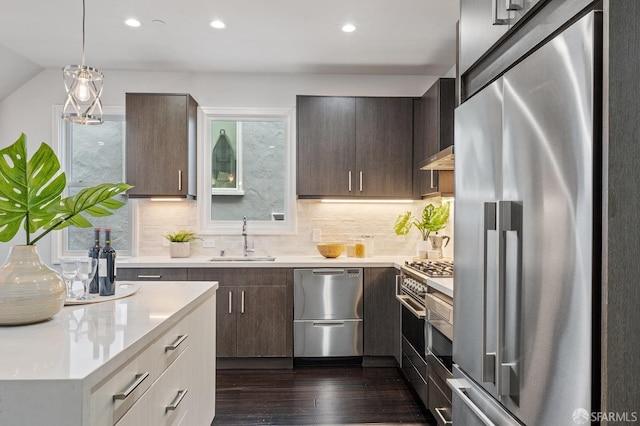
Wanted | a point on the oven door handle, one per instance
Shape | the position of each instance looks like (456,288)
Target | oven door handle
(435,324)
(406,301)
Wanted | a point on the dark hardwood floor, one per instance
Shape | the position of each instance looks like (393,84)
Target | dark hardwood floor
(316,396)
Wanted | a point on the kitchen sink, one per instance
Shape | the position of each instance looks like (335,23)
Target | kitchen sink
(242,259)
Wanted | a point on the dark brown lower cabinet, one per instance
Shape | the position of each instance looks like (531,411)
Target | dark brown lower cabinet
(381,313)
(254,310)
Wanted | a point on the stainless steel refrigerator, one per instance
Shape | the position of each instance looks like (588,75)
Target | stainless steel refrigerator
(527,248)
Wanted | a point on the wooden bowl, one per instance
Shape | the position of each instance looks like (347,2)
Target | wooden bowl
(331,250)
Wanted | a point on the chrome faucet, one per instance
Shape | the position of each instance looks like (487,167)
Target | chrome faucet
(245,249)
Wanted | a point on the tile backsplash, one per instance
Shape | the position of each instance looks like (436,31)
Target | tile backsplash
(332,221)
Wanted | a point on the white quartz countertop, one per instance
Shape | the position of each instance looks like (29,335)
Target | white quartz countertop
(81,338)
(444,285)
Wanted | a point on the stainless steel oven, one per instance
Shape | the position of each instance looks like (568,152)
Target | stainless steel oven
(414,335)
(439,344)
(427,335)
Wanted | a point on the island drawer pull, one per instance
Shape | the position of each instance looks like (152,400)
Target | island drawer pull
(150,276)
(177,343)
(174,404)
(139,379)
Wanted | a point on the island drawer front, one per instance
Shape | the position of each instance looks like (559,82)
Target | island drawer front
(167,402)
(112,399)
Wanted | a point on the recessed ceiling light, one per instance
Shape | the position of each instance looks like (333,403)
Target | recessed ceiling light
(131,22)
(349,28)
(218,24)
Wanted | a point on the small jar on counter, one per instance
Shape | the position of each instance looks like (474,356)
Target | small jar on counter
(351,247)
(368,244)
(360,249)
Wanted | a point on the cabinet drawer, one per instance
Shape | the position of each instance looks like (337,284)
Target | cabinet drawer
(318,338)
(111,399)
(167,401)
(152,274)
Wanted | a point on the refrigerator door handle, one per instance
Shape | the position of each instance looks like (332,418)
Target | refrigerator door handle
(509,219)
(458,388)
(488,359)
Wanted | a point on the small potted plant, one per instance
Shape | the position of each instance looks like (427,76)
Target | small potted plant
(433,219)
(179,242)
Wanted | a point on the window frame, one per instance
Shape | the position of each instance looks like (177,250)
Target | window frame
(205,144)
(59,239)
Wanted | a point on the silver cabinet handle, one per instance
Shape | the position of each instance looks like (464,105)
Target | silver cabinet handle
(242,302)
(432,180)
(230,302)
(488,359)
(178,399)
(458,388)
(496,20)
(153,277)
(444,420)
(139,379)
(178,342)
(360,180)
(349,180)
(179,180)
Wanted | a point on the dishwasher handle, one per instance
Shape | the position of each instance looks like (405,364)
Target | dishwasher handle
(328,323)
(328,271)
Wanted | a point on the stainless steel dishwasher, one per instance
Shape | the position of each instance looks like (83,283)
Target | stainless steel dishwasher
(327,313)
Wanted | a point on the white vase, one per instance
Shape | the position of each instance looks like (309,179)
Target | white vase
(30,291)
(179,249)
(421,248)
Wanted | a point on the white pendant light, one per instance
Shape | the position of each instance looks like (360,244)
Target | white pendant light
(84,87)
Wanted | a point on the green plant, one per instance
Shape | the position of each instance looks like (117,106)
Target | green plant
(30,193)
(182,236)
(433,219)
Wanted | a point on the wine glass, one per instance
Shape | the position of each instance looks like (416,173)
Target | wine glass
(69,270)
(86,270)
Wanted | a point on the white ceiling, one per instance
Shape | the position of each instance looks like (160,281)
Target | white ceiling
(405,37)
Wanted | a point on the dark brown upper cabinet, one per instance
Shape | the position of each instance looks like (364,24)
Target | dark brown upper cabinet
(161,145)
(434,132)
(354,147)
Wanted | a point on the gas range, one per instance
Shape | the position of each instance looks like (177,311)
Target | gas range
(423,269)
(412,283)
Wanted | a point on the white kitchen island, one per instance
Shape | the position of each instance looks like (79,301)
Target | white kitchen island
(147,359)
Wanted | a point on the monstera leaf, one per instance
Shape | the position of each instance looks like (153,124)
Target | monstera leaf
(403,223)
(30,194)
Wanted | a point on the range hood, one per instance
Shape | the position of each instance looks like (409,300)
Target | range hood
(443,160)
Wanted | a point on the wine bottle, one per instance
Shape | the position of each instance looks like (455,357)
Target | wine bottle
(107,267)
(94,252)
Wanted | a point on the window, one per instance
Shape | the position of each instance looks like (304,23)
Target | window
(247,170)
(91,155)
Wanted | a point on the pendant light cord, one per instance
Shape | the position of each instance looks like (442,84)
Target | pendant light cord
(83,13)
